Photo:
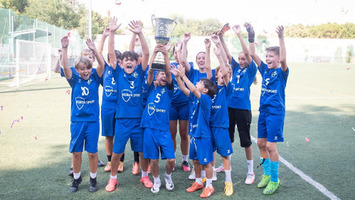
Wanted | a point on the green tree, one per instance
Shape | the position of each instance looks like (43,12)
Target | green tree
(18,6)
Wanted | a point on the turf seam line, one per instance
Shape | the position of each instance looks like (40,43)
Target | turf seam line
(305,177)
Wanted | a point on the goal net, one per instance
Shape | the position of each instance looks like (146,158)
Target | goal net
(33,62)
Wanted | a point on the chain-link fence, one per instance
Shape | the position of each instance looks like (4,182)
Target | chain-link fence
(15,27)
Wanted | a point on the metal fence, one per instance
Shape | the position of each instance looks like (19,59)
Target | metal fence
(15,27)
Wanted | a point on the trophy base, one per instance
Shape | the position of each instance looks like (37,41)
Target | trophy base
(158,67)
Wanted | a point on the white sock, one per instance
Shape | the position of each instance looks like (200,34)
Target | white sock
(93,175)
(199,180)
(250,166)
(167,177)
(203,173)
(228,175)
(157,180)
(184,158)
(144,174)
(76,175)
(209,182)
(114,177)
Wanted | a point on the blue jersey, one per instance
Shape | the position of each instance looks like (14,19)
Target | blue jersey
(84,97)
(219,111)
(195,75)
(199,123)
(272,98)
(156,113)
(130,99)
(241,82)
(145,87)
(179,98)
(109,84)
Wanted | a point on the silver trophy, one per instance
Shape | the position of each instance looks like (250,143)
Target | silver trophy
(163,30)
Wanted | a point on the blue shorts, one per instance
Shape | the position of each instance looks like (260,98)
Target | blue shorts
(270,126)
(201,149)
(221,141)
(179,112)
(84,132)
(155,141)
(108,121)
(128,129)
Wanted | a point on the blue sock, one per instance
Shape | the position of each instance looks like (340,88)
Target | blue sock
(274,167)
(266,165)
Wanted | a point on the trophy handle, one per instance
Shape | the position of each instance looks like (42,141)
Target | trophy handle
(153,19)
(175,24)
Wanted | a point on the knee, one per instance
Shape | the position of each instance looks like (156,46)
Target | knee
(261,144)
(92,155)
(171,161)
(154,162)
(270,147)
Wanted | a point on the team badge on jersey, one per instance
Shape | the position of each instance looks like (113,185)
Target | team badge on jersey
(108,90)
(126,95)
(151,108)
(79,101)
(274,74)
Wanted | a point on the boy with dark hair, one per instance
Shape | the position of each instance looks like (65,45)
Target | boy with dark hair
(201,147)
(272,107)
(130,109)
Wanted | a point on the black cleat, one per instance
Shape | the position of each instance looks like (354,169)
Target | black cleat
(93,185)
(75,184)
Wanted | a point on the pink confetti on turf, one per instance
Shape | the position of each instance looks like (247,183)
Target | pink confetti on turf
(35,137)
(68,92)
(307,140)
(46,79)
(68,34)
(16,120)
(348,68)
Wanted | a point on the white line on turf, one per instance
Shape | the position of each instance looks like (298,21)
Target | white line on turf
(305,177)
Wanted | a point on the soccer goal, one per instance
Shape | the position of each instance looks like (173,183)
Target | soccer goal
(33,62)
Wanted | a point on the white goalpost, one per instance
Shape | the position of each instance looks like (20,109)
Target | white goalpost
(33,62)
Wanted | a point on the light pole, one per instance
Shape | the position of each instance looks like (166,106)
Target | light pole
(90,19)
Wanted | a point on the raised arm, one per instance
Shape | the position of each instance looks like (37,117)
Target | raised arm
(223,67)
(189,84)
(165,52)
(105,34)
(111,41)
(217,41)
(237,30)
(280,33)
(136,27)
(101,67)
(225,48)
(133,42)
(208,58)
(251,38)
(67,71)
(179,81)
(183,57)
